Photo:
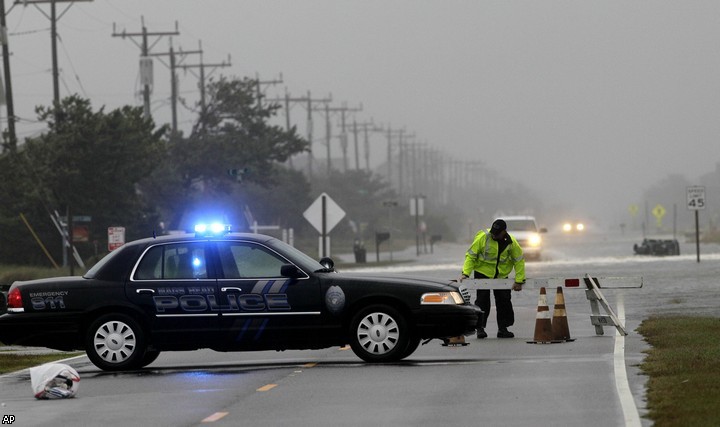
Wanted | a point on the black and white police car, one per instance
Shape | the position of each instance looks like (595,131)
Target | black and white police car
(228,292)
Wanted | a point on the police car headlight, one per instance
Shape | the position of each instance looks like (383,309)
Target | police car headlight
(442,298)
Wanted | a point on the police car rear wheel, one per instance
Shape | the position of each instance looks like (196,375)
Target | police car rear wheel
(379,333)
(115,342)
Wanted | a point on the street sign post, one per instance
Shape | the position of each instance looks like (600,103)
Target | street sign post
(324,214)
(116,237)
(696,202)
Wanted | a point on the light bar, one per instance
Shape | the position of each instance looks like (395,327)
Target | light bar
(213,229)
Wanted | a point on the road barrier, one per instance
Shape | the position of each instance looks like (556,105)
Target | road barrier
(592,286)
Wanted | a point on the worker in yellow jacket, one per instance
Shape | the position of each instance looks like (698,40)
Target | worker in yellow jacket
(493,254)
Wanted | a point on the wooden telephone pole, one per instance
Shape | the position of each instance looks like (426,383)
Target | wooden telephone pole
(146,71)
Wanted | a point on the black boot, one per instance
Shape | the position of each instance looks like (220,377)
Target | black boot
(504,333)
(481,333)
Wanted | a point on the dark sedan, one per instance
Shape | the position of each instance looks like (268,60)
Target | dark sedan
(234,292)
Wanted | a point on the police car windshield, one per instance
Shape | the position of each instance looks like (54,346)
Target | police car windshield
(300,257)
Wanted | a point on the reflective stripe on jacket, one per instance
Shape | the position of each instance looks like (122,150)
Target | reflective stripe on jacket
(483,258)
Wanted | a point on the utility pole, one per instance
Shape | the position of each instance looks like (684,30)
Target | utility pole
(146,65)
(366,128)
(310,109)
(389,133)
(343,136)
(202,76)
(12,137)
(403,163)
(173,79)
(308,101)
(258,90)
(286,100)
(53,37)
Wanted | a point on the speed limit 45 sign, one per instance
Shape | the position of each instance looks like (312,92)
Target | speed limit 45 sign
(696,198)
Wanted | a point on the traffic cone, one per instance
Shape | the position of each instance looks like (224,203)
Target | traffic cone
(543,324)
(560,329)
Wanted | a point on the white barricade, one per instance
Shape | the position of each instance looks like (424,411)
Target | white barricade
(591,285)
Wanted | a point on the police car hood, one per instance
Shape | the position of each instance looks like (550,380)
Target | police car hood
(399,280)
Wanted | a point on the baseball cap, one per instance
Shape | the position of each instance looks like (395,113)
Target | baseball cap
(497,227)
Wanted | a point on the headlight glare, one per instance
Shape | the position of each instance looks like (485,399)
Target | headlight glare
(534,240)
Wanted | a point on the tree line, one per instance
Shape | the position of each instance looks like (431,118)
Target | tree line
(118,168)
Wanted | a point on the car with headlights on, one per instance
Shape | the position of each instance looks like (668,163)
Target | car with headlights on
(573,227)
(526,231)
(229,292)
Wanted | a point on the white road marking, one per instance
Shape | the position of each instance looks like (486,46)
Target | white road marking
(630,412)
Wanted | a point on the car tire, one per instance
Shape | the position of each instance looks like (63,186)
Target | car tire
(115,342)
(379,333)
(413,344)
(149,357)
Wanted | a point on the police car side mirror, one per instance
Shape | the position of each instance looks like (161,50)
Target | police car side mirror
(327,262)
(291,271)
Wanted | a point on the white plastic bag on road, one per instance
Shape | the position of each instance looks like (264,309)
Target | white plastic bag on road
(54,381)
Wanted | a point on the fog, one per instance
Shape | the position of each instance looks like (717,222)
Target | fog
(586,103)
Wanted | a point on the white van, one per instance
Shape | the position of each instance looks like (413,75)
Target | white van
(525,230)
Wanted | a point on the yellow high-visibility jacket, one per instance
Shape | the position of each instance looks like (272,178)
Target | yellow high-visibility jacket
(483,257)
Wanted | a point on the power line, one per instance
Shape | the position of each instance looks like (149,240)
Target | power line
(146,65)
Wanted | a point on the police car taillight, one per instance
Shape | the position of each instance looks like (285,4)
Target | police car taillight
(14,303)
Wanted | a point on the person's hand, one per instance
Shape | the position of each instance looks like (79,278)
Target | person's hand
(517,286)
(461,278)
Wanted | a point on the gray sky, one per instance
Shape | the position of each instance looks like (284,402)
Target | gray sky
(589,102)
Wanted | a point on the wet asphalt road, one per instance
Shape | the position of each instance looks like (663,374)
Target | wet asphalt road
(488,382)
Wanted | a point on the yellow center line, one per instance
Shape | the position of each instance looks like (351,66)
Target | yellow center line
(267,387)
(214,417)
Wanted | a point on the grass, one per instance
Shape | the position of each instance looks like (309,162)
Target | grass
(683,369)
(11,362)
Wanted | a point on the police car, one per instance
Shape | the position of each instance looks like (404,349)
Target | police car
(228,292)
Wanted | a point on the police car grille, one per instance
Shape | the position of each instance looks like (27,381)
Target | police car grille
(465,293)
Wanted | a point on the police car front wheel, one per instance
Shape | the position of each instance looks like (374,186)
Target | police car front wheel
(379,333)
(115,342)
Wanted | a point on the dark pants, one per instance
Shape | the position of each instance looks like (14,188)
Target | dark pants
(503,305)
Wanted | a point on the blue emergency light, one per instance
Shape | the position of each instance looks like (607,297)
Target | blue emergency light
(211,230)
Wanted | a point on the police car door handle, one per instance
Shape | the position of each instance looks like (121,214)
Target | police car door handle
(231,289)
(145,291)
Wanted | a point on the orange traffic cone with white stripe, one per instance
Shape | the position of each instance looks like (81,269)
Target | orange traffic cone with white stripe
(560,328)
(543,324)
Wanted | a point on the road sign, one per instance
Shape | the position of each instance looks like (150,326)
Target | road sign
(116,237)
(659,212)
(333,213)
(696,197)
(417,202)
